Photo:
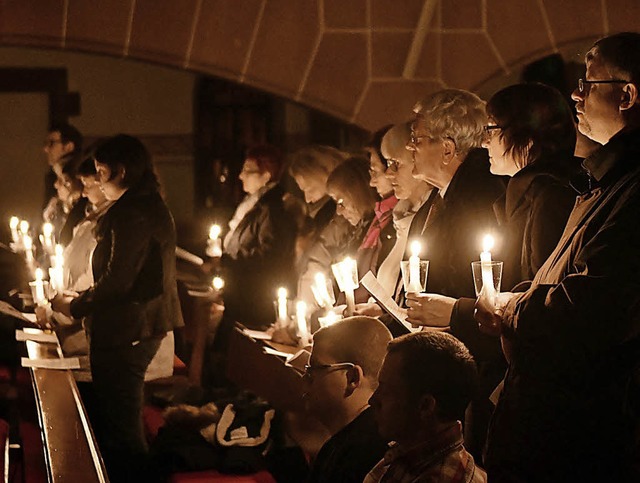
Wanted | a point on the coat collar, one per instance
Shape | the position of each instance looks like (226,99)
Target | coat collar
(615,158)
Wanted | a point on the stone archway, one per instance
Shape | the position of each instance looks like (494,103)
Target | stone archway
(364,61)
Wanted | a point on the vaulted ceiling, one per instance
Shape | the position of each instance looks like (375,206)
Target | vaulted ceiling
(364,61)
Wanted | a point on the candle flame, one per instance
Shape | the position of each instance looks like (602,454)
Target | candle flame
(214,232)
(282,293)
(416,248)
(47,229)
(301,309)
(14,222)
(218,283)
(24,227)
(320,279)
(487,243)
(39,274)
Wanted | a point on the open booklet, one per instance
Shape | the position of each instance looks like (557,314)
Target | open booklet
(377,291)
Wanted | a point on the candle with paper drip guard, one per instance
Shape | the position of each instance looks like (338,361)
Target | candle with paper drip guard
(321,292)
(214,243)
(283,317)
(346,274)
(47,238)
(414,268)
(329,319)
(38,291)
(488,288)
(56,272)
(301,320)
(15,235)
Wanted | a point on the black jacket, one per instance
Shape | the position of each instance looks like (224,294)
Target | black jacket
(454,238)
(258,259)
(570,409)
(134,295)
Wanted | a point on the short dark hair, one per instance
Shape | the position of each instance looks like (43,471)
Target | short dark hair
(537,115)
(622,52)
(437,364)
(129,153)
(375,143)
(68,133)
(87,168)
(268,158)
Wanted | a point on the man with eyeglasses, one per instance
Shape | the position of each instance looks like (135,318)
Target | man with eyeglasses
(340,378)
(570,409)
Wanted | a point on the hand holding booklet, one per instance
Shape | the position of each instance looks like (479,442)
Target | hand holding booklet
(377,291)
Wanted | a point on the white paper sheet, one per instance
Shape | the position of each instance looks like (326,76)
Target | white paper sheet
(7,309)
(37,336)
(273,352)
(370,282)
(257,334)
(65,363)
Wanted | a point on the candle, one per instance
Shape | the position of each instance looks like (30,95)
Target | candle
(414,268)
(40,298)
(13,224)
(329,319)
(56,272)
(214,244)
(282,305)
(488,288)
(24,227)
(320,291)
(301,319)
(27,242)
(218,283)
(348,269)
(47,239)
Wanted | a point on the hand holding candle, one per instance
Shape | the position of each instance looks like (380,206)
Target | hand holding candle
(487,273)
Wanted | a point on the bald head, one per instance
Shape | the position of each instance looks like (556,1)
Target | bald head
(395,141)
(360,340)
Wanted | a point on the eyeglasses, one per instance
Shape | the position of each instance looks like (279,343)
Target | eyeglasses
(413,139)
(582,83)
(491,128)
(310,370)
(392,164)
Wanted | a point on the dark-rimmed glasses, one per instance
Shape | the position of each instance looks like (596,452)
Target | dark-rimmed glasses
(309,370)
(582,83)
(413,139)
(393,165)
(489,129)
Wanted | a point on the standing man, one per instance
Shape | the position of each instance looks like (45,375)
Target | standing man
(341,377)
(570,409)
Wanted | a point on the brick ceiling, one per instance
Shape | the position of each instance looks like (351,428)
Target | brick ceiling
(364,61)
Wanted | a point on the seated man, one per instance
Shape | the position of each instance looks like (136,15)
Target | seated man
(425,384)
(341,377)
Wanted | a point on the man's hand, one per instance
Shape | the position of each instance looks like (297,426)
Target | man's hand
(429,309)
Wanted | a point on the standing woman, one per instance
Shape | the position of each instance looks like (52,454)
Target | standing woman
(133,302)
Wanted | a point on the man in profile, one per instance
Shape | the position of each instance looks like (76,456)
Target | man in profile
(340,378)
(425,384)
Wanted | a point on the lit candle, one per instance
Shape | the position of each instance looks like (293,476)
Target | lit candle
(414,268)
(488,288)
(24,232)
(56,272)
(47,240)
(27,242)
(347,268)
(282,305)
(329,319)
(218,283)
(320,291)
(301,319)
(13,224)
(214,244)
(40,298)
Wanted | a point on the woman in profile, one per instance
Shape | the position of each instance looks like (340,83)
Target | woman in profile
(133,302)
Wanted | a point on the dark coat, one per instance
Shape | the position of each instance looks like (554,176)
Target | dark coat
(454,238)
(570,409)
(134,296)
(258,259)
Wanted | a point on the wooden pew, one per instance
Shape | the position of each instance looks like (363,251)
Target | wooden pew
(71,452)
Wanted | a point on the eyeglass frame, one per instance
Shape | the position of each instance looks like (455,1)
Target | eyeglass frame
(309,369)
(582,83)
(413,139)
(490,127)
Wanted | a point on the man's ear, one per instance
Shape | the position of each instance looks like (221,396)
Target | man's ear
(448,151)
(355,379)
(68,147)
(427,407)
(629,97)
(122,173)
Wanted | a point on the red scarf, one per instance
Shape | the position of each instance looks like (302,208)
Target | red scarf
(383,215)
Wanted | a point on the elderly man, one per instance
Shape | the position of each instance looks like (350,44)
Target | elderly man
(570,409)
(341,377)
(425,384)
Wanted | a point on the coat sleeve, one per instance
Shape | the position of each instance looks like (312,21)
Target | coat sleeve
(130,238)
(597,307)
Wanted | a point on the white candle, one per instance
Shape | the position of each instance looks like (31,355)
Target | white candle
(329,319)
(47,239)
(24,227)
(13,224)
(487,271)
(320,292)
(27,242)
(414,268)
(301,319)
(218,283)
(40,298)
(214,244)
(347,268)
(282,305)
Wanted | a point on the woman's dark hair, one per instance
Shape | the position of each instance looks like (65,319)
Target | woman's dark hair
(352,176)
(536,122)
(129,153)
(375,143)
(268,158)
(87,168)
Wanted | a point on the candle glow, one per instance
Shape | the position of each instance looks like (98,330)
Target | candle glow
(301,319)
(488,288)
(414,268)
(282,305)
(217,283)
